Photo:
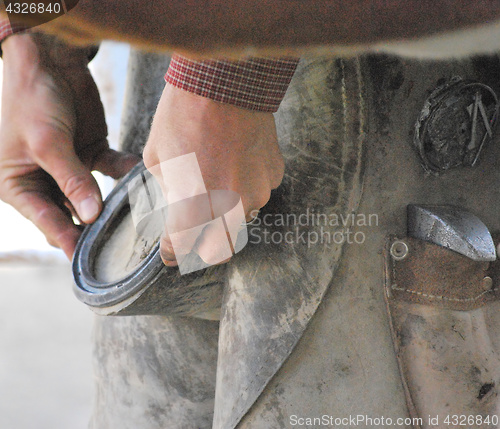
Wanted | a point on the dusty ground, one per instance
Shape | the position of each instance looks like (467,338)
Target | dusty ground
(45,350)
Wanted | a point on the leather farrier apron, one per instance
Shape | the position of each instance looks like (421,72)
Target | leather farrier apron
(367,295)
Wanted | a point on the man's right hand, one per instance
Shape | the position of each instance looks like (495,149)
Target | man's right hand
(52,135)
(236,150)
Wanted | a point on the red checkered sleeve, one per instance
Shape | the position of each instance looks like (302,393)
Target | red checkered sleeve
(255,83)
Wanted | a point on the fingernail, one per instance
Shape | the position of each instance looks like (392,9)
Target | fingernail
(168,258)
(89,209)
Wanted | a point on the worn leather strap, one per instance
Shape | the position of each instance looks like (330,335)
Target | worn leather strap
(433,275)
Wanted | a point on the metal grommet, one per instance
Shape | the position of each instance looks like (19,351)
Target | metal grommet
(487,283)
(399,250)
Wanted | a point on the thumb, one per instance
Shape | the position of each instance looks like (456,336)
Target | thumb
(73,178)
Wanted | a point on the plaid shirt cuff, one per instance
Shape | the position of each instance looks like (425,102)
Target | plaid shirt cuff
(7,29)
(255,84)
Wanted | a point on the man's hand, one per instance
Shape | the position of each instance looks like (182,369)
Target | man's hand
(236,149)
(52,135)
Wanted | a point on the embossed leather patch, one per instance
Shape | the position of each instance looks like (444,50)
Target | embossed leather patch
(421,272)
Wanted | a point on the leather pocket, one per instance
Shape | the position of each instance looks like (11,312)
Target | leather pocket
(444,312)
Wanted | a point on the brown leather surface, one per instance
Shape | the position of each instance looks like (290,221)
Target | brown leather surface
(278,27)
(433,275)
(448,357)
(449,363)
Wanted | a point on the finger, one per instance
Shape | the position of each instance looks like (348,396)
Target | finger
(115,164)
(215,246)
(184,225)
(227,234)
(211,243)
(206,227)
(252,216)
(57,226)
(167,253)
(58,158)
(176,246)
(150,156)
(156,172)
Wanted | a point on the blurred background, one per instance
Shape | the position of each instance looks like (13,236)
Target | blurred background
(45,332)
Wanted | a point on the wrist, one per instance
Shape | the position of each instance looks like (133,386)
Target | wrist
(196,109)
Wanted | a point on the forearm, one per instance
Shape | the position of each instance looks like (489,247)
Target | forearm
(279,25)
